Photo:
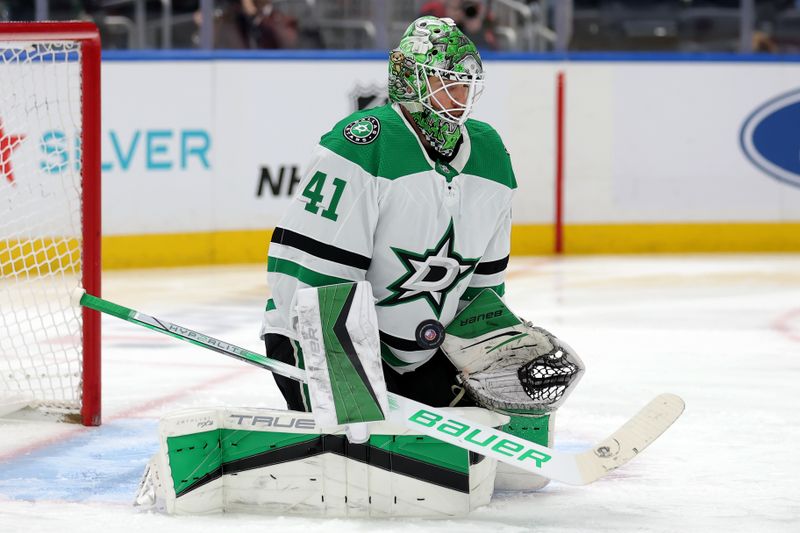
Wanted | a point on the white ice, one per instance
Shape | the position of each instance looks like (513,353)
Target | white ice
(722,331)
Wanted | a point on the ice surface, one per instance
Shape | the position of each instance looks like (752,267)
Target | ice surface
(721,331)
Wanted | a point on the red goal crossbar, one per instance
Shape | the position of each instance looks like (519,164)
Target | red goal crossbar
(87,34)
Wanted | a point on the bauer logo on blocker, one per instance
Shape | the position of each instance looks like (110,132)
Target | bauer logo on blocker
(770,137)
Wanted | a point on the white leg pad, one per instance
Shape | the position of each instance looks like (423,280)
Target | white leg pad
(271,461)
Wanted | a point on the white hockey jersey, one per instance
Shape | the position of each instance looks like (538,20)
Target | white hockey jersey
(374,206)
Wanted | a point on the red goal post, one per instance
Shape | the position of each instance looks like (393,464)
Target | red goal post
(27,253)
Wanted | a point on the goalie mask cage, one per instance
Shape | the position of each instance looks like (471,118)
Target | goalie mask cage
(50,217)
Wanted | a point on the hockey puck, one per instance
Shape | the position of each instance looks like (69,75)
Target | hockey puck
(430,334)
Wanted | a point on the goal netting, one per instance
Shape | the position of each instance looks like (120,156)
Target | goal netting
(49,222)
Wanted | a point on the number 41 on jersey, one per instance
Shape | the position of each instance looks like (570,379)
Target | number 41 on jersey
(314,193)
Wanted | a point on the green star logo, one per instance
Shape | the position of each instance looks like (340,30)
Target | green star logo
(362,128)
(430,275)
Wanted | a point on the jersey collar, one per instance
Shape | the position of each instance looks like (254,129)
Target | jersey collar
(462,156)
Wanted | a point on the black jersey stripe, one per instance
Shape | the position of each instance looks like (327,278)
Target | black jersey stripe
(398,343)
(319,249)
(492,267)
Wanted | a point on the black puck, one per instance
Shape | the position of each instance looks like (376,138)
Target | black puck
(430,334)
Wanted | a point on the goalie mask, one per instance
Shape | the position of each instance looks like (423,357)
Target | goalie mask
(437,74)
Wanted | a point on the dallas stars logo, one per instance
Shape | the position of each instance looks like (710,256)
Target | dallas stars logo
(363,131)
(431,275)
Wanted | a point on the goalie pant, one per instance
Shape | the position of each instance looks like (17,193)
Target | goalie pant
(277,462)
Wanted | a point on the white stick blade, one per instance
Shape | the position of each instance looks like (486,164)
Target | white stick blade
(632,438)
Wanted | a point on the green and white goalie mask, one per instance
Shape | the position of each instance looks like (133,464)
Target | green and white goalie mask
(338,330)
(507,364)
(437,74)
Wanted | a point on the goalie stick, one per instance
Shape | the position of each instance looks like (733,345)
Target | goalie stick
(572,468)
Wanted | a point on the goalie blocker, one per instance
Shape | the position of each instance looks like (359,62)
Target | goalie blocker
(338,330)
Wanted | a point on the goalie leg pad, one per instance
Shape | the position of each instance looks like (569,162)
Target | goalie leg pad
(538,429)
(272,461)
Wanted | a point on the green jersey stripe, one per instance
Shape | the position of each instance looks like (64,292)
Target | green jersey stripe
(390,358)
(305,275)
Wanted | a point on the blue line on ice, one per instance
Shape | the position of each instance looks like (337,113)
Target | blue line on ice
(99,465)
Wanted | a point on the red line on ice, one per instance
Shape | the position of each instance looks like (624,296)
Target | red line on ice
(789,324)
(157,402)
(127,413)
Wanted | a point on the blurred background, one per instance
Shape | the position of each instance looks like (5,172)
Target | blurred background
(656,145)
(635,126)
(768,26)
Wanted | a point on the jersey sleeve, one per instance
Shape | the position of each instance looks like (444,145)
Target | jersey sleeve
(324,238)
(490,273)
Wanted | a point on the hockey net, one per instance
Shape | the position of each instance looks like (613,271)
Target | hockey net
(49,218)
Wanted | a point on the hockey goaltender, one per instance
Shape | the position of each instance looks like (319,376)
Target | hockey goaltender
(387,274)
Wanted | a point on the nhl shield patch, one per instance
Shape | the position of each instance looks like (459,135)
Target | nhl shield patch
(363,131)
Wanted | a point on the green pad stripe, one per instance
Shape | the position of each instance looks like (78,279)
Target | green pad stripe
(484,314)
(424,448)
(194,459)
(353,396)
(532,428)
(512,339)
(202,457)
(472,292)
(240,444)
(199,458)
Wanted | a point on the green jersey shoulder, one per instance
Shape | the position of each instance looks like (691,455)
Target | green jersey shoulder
(488,156)
(380,142)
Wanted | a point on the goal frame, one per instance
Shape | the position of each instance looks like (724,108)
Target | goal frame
(89,37)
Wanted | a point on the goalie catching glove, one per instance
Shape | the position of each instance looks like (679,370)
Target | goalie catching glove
(506,364)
